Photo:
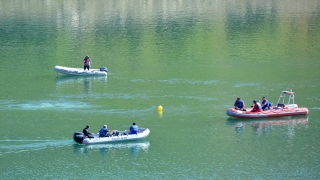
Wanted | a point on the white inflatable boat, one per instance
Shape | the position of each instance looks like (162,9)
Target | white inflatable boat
(114,137)
(118,145)
(80,72)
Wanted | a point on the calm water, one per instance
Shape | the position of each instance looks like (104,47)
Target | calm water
(192,57)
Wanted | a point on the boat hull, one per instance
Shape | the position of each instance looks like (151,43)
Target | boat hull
(79,71)
(268,113)
(122,136)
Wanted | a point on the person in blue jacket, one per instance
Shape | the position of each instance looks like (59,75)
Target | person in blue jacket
(103,131)
(134,129)
(265,104)
(239,104)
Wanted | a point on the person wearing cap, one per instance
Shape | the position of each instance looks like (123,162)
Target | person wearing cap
(256,106)
(239,104)
(134,129)
(265,104)
(86,63)
(103,131)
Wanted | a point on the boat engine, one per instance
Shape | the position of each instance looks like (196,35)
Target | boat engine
(104,69)
(78,137)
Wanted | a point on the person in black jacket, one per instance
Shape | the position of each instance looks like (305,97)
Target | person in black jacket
(86,132)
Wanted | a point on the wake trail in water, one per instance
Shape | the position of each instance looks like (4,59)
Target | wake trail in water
(27,145)
(43,104)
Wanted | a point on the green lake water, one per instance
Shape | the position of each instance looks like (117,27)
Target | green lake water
(194,58)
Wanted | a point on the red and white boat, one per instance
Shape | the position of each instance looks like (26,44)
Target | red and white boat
(281,109)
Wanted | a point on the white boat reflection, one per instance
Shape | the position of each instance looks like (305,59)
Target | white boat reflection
(60,80)
(133,147)
(265,125)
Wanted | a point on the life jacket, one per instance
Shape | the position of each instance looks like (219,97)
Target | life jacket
(259,105)
(267,103)
(103,132)
(239,104)
(134,129)
(257,108)
(86,61)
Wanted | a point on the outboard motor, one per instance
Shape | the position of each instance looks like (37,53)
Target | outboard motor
(104,69)
(78,137)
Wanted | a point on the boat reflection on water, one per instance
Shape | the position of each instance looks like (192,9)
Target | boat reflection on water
(104,149)
(260,126)
(65,79)
(87,81)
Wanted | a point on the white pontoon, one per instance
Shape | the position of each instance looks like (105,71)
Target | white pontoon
(80,72)
(114,137)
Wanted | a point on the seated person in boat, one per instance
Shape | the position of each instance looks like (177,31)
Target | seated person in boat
(134,129)
(265,104)
(239,104)
(86,132)
(256,106)
(87,63)
(103,131)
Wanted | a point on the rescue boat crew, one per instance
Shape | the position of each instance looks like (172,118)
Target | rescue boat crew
(256,107)
(265,104)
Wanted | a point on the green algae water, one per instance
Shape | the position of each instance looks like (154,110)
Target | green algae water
(191,57)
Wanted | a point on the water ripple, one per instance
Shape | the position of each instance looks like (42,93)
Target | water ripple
(14,146)
(187,81)
(42,104)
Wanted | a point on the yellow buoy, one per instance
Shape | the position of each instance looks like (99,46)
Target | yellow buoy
(160,108)
(160,114)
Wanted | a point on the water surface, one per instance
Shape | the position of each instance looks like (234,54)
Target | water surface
(192,57)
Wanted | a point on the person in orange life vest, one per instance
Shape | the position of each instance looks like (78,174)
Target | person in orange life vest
(256,107)
(86,63)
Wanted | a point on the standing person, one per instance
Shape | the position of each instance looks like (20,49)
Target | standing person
(86,132)
(256,107)
(104,131)
(239,104)
(134,129)
(265,104)
(87,63)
